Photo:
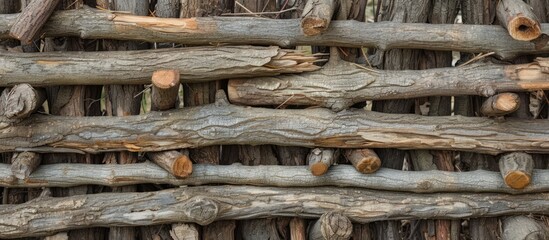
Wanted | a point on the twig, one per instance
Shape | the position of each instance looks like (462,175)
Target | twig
(246,9)
(367,69)
(256,13)
(476,58)
(285,101)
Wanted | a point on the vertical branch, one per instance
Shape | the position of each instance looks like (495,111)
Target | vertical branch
(32,18)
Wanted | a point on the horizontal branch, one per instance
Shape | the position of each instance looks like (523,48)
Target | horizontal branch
(90,23)
(195,64)
(221,124)
(339,86)
(70,175)
(206,204)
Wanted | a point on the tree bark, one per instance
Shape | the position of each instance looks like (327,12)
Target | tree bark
(519,19)
(21,101)
(31,19)
(23,164)
(159,131)
(500,104)
(516,169)
(219,230)
(184,231)
(331,225)
(523,228)
(174,162)
(320,159)
(364,160)
(165,88)
(317,15)
(298,229)
(94,24)
(205,204)
(136,67)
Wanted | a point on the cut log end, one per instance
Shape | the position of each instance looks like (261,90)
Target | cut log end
(523,28)
(500,104)
(319,169)
(364,160)
(165,79)
(517,179)
(368,165)
(182,167)
(313,26)
(516,169)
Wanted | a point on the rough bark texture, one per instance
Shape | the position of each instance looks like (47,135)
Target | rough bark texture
(21,101)
(523,228)
(165,88)
(500,104)
(320,159)
(184,231)
(317,15)
(516,169)
(219,230)
(364,160)
(519,19)
(298,229)
(136,67)
(203,205)
(9,6)
(174,162)
(23,164)
(286,33)
(31,19)
(331,226)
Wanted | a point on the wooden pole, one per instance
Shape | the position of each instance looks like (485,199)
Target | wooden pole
(516,169)
(174,162)
(519,20)
(317,15)
(32,18)
(332,225)
(23,164)
(165,88)
(500,104)
(320,159)
(21,101)
(364,160)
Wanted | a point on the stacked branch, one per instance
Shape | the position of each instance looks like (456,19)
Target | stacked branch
(90,23)
(214,124)
(320,159)
(32,19)
(195,64)
(317,15)
(339,86)
(364,160)
(203,205)
(23,164)
(519,19)
(332,225)
(21,101)
(500,104)
(516,169)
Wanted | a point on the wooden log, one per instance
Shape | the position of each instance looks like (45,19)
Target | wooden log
(500,104)
(32,18)
(317,15)
(91,23)
(519,20)
(320,159)
(184,231)
(69,175)
(165,87)
(331,225)
(340,86)
(297,229)
(21,101)
(136,67)
(174,162)
(203,205)
(523,228)
(219,230)
(516,169)
(23,164)
(159,131)
(364,160)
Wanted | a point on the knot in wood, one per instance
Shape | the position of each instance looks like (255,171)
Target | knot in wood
(202,210)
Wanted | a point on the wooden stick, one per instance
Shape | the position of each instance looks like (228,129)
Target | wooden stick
(165,87)
(95,24)
(184,231)
(320,159)
(297,229)
(23,164)
(31,19)
(21,101)
(364,160)
(500,104)
(340,86)
(516,169)
(331,225)
(519,19)
(523,227)
(196,64)
(206,204)
(174,162)
(219,230)
(317,15)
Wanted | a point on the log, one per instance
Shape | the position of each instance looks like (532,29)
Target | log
(331,225)
(219,230)
(69,175)
(297,229)
(23,164)
(364,160)
(203,205)
(90,23)
(136,67)
(21,101)
(317,15)
(165,88)
(174,162)
(320,159)
(184,231)
(341,85)
(500,104)
(519,19)
(215,125)
(523,228)
(516,169)
(32,18)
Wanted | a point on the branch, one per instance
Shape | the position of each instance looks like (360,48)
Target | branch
(196,64)
(23,164)
(90,23)
(320,159)
(342,85)
(516,169)
(364,160)
(519,19)
(31,20)
(317,15)
(205,204)
(21,101)
(523,227)
(500,104)
(165,88)
(331,225)
(174,162)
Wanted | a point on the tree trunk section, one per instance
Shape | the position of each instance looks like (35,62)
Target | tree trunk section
(331,226)
(21,101)
(519,19)
(23,164)
(523,228)
(364,160)
(320,159)
(516,169)
(317,15)
(32,18)
(174,162)
(165,88)
(500,104)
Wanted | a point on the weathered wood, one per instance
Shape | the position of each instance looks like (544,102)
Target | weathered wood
(136,67)
(205,204)
(519,19)
(516,169)
(500,104)
(184,231)
(32,18)
(320,159)
(331,225)
(23,164)
(174,162)
(317,15)
(21,101)
(214,125)
(165,88)
(69,175)
(364,160)
(167,8)
(9,6)
(59,236)
(222,230)
(298,229)
(90,23)
(341,85)
(523,228)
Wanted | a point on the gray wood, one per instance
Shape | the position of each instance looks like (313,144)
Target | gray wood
(523,228)
(516,169)
(317,15)
(23,164)
(136,67)
(229,124)
(331,225)
(21,101)
(320,159)
(89,23)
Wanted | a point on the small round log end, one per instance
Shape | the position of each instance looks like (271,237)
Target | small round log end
(313,26)
(369,165)
(319,169)
(524,29)
(508,102)
(182,167)
(165,79)
(517,179)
